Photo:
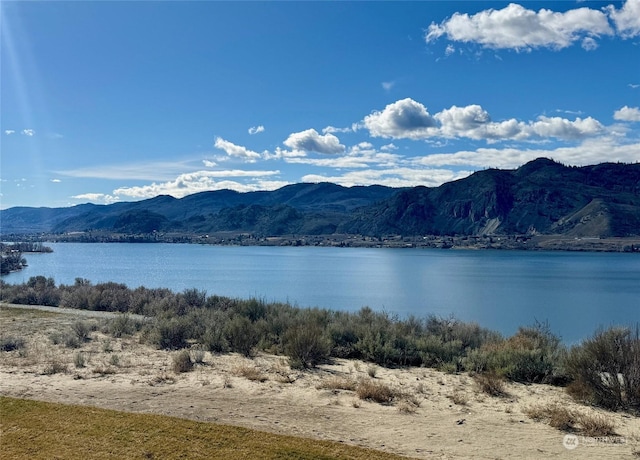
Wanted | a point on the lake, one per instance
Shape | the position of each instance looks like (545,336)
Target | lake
(575,292)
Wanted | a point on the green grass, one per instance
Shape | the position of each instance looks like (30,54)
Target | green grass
(41,430)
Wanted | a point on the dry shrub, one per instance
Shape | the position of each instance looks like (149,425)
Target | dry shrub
(405,407)
(338,383)
(198,355)
(102,370)
(250,373)
(565,419)
(161,379)
(55,367)
(459,397)
(182,362)
(374,391)
(596,425)
(490,384)
(579,391)
(282,373)
(557,416)
(79,360)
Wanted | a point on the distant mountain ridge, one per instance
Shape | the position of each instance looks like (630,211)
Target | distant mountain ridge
(541,197)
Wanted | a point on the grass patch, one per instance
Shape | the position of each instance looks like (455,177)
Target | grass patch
(374,391)
(565,419)
(39,430)
(337,383)
(250,373)
(458,397)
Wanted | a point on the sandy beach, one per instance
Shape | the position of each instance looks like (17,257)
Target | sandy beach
(434,415)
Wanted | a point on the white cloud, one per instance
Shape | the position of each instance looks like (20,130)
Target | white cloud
(389,147)
(405,118)
(201,181)
(589,44)
(627,114)
(56,181)
(311,141)
(28,132)
(96,198)
(9,132)
(408,119)
(633,86)
(388,85)
(591,151)
(332,129)
(515,27)
(234,150)
(256,129)
(626,19)
(209,163)
(463,122)
(561,128)
(152,171)
(362,155)
(281,153)
(391,177)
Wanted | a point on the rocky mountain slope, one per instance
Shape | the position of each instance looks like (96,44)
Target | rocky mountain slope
(541,197)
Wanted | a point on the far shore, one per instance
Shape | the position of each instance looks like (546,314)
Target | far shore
(533,242)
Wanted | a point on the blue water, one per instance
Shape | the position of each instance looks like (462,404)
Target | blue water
(575,292)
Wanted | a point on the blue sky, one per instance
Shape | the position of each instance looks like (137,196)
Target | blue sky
(120,101)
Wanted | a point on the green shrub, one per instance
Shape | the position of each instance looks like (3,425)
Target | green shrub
(123,325)
(169,334)
(532,355)
(82,330)
(241,335)
(79,360)
(606,369)
(306,342)
(10,343)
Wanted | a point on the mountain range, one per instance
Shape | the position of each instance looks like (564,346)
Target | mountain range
(540,197)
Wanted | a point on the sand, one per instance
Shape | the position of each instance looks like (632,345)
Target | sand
(443,416)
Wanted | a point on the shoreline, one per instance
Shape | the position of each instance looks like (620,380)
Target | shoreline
(564,243)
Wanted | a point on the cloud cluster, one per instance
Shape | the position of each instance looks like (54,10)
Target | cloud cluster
(592,151)
(518,28)
(408,119)
(200,181)
(234,150)
(256,129)
(189,183)
(627,18)
(627,114)
(311,141)
(25,132)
